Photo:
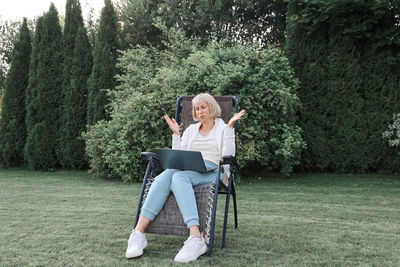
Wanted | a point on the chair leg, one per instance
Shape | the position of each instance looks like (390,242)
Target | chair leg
(146,175)
(211,242)
(234,205)
(225,220)
(228,194)
(214,211)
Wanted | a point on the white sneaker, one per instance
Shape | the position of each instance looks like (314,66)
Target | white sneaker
(192,249)
(136,243)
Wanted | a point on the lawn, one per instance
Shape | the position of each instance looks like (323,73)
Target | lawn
(72,219)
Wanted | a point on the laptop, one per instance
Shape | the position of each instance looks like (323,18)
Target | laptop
(182,160)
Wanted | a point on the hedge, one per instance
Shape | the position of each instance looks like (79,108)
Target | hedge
(346,55)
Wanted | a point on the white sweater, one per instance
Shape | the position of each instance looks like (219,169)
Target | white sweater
(208,146)
(225,139)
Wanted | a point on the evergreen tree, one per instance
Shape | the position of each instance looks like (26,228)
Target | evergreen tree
(76,101)
(346,55)
(9,31)
(262,22)
(31,119)
(12,123)
(1,98)
(104,64)
(73,21)
(43,96)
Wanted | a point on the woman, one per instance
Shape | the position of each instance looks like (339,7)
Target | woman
(214,139)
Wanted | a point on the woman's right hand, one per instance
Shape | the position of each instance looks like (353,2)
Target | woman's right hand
(173,125)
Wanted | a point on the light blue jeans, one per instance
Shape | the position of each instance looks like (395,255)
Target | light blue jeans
(181,184)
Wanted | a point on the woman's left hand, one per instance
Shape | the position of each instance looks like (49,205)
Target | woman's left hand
(235,118)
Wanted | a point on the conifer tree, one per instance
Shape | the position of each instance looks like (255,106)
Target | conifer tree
(76,101)
(104,61)
(73,21)
(45,91)
(1,99)
(12,123)
(31,120)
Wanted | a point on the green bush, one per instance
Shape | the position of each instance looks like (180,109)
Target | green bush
(266,87)
(346,55)
(151,80)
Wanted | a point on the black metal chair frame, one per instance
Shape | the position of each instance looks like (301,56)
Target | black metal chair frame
(153,165)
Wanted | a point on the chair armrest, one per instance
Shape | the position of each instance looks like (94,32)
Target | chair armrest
(147,156)
(152,157)
(231,160)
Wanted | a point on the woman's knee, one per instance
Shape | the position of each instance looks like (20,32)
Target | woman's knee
(163,180)
(179,179)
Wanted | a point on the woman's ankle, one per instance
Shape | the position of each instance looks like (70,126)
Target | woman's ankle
(137,230)
(195,231)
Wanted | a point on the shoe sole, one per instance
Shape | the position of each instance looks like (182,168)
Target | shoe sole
(135,255)
(205,250)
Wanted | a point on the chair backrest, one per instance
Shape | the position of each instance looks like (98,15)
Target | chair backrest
(184,116)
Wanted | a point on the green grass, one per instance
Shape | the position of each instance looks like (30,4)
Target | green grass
(71,219)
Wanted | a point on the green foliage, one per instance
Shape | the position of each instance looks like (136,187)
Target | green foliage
(347,56)
(44,94)
(104,62)
(266,88)
(151,81)
(393,132)
(91,25)
(136,122)
(260,22)
(76,102)
(8,36)
(31,119)
(73,21)
(1,99)
(138,17)
(12,121)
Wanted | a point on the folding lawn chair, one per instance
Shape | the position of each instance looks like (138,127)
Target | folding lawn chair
(170,221)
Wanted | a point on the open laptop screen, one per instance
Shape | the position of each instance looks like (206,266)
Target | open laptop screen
(181,159)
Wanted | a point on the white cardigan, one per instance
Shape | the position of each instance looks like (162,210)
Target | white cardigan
(225,140)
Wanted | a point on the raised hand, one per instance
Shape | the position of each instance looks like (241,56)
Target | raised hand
(173,125)
(235,118)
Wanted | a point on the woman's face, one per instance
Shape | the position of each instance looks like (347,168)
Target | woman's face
(202,111)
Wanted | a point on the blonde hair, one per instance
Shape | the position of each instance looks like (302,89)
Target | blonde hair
(215,109)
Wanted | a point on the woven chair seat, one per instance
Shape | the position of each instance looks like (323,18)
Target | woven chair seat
(170,220)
